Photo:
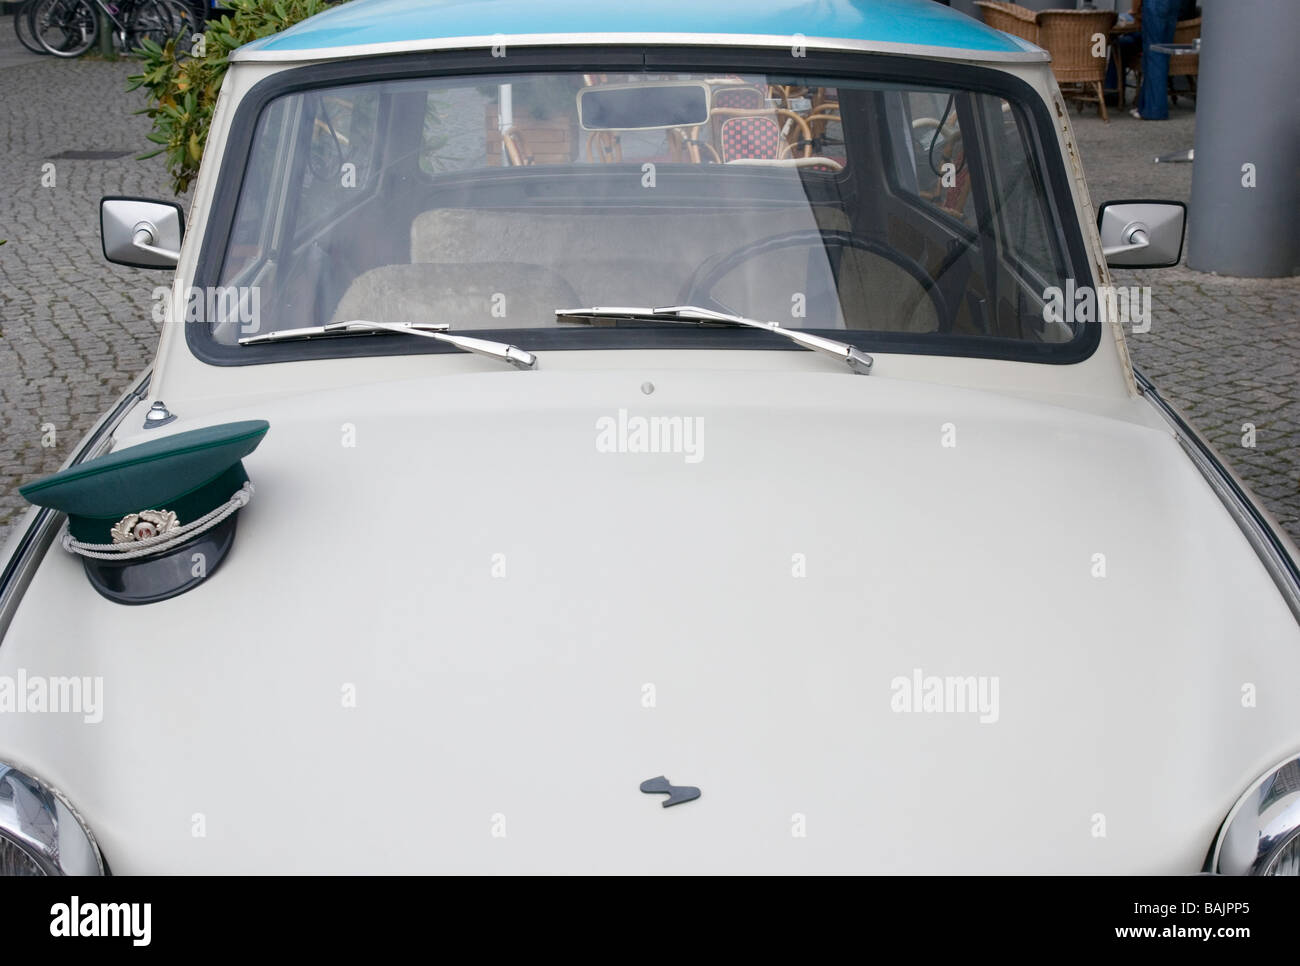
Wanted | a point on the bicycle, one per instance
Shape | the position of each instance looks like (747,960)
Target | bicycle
(23,27)
(69,28)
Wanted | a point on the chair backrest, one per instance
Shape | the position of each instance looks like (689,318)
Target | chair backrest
(548,258)
(1185,65)
(752,136)
(464,291)
(1010,18)
(1186,31)
(1070,36)
(609,256)
(605,146)
(745,98)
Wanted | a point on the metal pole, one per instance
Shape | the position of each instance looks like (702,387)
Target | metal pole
(1245,209)
(106,46)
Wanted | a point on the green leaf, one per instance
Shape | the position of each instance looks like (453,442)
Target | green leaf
(180,96)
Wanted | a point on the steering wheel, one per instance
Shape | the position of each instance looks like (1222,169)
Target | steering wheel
(698,290)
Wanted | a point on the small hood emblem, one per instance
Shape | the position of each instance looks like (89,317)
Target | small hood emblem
(676,793)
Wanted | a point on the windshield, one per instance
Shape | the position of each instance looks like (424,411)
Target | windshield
(876,209)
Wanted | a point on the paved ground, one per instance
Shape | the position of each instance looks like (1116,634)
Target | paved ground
(76,330)
(1226,351)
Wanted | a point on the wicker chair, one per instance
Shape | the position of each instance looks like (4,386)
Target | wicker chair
(605,146)
(516,148)
(744,98)
(1068,36)
(770,135)
(1010,18)
(1185,65)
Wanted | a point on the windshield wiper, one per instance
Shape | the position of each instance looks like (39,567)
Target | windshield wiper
(853,357)
(430,330)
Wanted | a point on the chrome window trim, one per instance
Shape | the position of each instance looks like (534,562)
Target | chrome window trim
(1027,56)
(32,546)
(1261,534)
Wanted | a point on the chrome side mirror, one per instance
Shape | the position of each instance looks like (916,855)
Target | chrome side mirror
(141,233)
(1142,234)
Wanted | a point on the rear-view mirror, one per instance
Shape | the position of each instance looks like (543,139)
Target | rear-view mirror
(643,107)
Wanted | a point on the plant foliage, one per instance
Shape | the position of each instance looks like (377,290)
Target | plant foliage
(182,85)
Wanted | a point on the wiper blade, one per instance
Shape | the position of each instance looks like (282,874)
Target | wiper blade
(430,330)
(854,358)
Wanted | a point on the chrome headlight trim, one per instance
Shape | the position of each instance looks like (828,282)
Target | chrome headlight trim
(1263,826)
(44,826)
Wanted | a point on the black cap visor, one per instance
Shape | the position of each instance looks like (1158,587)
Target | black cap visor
(147,580)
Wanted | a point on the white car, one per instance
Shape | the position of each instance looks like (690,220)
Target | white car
(667,407)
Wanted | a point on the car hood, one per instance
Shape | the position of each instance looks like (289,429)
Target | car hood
(465,618)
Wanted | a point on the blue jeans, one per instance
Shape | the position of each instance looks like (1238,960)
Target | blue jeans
(1159,18)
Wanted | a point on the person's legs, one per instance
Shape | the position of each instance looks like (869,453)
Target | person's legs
(1159,18)
(1127,47)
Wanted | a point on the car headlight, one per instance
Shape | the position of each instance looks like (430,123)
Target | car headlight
(1261,835)
(40,833)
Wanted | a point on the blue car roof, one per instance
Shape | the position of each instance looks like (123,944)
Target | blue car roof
(356,27)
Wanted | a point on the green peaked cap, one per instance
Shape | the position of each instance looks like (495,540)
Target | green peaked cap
(190,473)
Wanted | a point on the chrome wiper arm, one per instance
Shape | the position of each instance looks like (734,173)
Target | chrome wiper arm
(853,357)
(510,354)
(337,328)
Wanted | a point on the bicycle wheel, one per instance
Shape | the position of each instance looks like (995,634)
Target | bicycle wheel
(160,21)
(185,26)
(23,27)
(65,28)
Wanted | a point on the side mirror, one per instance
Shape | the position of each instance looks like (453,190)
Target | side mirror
(1142,234)
(141,233)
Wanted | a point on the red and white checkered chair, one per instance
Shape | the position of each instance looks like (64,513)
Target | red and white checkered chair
(740,98)
(754,136)
(767,135)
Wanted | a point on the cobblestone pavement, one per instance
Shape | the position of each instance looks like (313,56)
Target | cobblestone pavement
(1226,351)
(76,330)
